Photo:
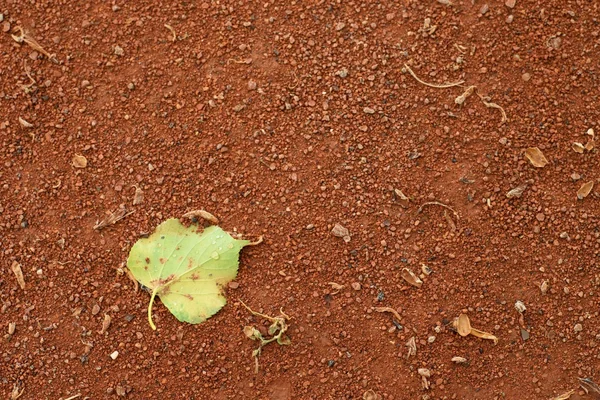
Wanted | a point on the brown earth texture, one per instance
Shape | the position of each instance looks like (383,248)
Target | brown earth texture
(440,133)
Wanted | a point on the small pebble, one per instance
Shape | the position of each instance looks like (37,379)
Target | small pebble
(233,285)
(6,27)
(368,110)
(578,328)
(526,76)
(114,355)
(540,217)
(524,334)
(484,9)
(510,3)
(355,286)
(251,85)
(510,19)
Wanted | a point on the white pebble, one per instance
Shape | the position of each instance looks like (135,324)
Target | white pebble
(114,355)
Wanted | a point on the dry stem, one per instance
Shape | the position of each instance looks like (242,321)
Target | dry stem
(24,37)
(433,85)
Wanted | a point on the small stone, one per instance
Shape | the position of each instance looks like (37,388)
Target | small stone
(355,286)
(368,110)
(520,306)
(431,339)
(578,328)
(120,391)
(131,86)
(1,17)
(95,309)
(6,27)
(251,85)
(239,107)
(233,285)
(390,16)
(340,231)
(114,355)
(526,76)
(524,334)
(575,176)
(484,9)
(119,50)
(85,83)
(540,217)
(339,26)
(510,3)
(510,19)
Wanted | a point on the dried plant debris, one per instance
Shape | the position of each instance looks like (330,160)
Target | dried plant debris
(79,161)
(578,147)
(589,386)
(433,85)
(138,197)
(463,327)
(516,192)
(16,269)
(390,310)
(412,347)
(411,278)
(174,35)
(585,190)
(24,123)
(335,286)
(15,394)
(536,157)
(105,324)
(341,231)
(277,331)
(113,218)
(466,94)
(205,215)
(520,307)
(496,106)
(564,396)
(371,395)
(544,287)
(25,37)
(425,374)
(401,197)
(426,270)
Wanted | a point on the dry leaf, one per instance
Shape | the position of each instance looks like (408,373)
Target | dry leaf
(578,147)
(411,278)
(138,197)
(536,157)
(425,373)
(412,347)
(516,192)
(16,268)
(24,123)
(113,218)
(589,386)
(584,190)
(589,146)
(449,221)
(564,396)
(335,286)
(105,324)
(463,325)
(339,231)
(79,161)
(459,360)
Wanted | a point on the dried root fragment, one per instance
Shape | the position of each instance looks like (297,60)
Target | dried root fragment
(433,85)
(463,327)
(24,37)
(170,28)
(411,278)
(463,97)
(16,269)
(113,218)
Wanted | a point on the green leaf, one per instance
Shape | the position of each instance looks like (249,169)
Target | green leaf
(187,268)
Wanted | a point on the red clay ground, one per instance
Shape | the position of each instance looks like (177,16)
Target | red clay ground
(283,119)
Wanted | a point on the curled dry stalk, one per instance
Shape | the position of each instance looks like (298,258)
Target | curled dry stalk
(172,30)
(277,331)
(24,37)
(433,85)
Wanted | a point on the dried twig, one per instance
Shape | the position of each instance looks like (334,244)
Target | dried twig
(74,396)
(24,37)
(27,88)
(170,28)
(437,203)
(433,85)
(390,310)
(494,105)
(15,394)
(113,218)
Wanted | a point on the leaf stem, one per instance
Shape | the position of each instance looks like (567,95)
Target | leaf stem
(150,309)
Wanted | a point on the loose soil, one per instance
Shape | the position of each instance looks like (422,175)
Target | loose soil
(284,119)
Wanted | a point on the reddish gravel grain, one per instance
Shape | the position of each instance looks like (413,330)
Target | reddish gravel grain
(284,119)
